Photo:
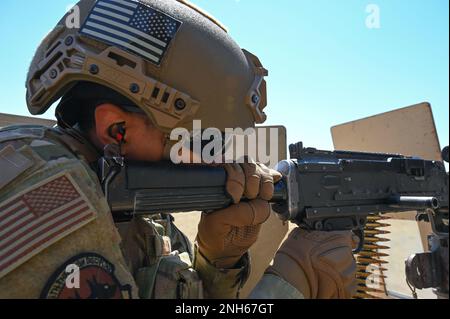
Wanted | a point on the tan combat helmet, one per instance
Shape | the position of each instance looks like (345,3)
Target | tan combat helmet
(169,58)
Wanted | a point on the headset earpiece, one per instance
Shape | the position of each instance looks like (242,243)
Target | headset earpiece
(118,132)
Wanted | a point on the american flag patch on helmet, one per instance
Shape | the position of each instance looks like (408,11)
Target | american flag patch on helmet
(39,217)
(132,26)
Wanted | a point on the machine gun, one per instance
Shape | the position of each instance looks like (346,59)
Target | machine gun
(320,190)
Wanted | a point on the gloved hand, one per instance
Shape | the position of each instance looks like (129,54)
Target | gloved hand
(319,264)
(226,235)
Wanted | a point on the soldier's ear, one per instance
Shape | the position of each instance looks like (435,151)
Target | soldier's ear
(106,116)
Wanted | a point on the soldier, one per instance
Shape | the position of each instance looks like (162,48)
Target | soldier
(129,75)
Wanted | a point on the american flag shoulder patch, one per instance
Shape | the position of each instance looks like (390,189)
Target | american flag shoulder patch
(39,217)
(133,26)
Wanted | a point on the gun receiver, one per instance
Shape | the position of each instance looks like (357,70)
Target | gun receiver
(337,190)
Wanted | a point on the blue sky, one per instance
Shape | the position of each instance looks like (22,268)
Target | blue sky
(326,67)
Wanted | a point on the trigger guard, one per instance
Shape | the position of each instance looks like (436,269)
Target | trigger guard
(360,234)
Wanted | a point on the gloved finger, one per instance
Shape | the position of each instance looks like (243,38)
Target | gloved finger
(251,213)
(277,176)
(349,278)
(266,188)
(235,182)
(355,241)
(252,180)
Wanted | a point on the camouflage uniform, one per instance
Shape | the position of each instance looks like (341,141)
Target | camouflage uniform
(53,215)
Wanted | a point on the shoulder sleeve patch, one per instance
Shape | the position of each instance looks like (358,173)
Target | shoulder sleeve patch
(12,164)
(39,217)
(90,276)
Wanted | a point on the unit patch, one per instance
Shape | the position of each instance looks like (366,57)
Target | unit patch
(87,276)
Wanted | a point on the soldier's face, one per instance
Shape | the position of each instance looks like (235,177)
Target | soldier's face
(143,141)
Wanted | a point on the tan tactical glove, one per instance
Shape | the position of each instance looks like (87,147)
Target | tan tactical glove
(319,264)
(226,235)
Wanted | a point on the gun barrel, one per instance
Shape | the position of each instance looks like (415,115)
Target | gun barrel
(414,202)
